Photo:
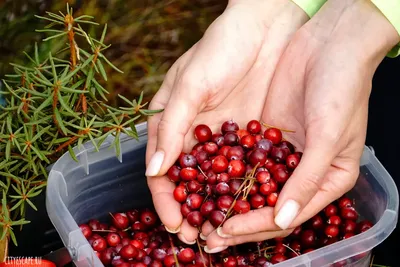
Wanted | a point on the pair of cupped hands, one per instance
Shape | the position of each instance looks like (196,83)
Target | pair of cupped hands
(265,60)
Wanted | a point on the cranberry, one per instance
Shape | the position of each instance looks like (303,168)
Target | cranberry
(219,164)
(158,254)
(277,166)
(308,238)
(280,248)
(201,157)
(295,245)
(236,168)
(216,218)
(86,231)
(364,226)
(133,215)
(254,189)
(248,141)
(292,161)
(231,139)
(107,255)
(278,154)
(99,244)
(263,177)
(317,222)
(207,207)
(242,206)
(332,231)
(348,235)
(234,185)
(211,177)
(137,226)
(94,224)
(273,134)
(140,254)
(224,202)
(345,202)
(334,220)
(188,174)
(206,165)
(297,231)
(169,261)
(286,145)
(222,188)
(156,263)
(281,175)
(223,177)
(230,261)
(277,258)
(218,139)
(254,127)
(195,218)
(113,239)
(188,161)
(180,193)
(349,214)
(229,126)
(194,201)
(223,151)
(330,210)
(186,255)
(271,199)
(257,157)
(194,186)
(265,145)
(235,153)
(137,244)
(269,188)
(202,133)
(211,148)
(125,241)
(241,133)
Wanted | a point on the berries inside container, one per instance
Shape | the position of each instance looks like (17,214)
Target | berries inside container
(228,172)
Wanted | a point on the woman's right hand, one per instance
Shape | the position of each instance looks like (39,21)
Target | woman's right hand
(224,76)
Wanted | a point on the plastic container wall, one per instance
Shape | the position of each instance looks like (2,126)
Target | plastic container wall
(101,183)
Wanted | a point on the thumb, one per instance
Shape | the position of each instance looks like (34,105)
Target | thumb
(176,121)
(304,183)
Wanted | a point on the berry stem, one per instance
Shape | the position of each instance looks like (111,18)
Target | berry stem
(282,129)
(173,249)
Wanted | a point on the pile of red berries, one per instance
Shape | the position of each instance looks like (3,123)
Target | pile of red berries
(137,238)
(232,171)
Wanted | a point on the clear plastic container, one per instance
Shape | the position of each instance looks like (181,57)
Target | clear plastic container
(101,183)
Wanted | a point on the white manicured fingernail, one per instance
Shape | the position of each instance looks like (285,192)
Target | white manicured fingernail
(221,234)
(172,231)
(214,250)
(287,214)
(203,237)
(184,240)
(155,164)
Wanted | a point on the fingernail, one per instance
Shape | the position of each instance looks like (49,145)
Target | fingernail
(221,234)
(287,214)
(203,237)
(155,164)
(184,240)
(214,250)
(172,231)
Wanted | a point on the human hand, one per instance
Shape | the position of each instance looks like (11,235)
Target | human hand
(225,75)
(321,90)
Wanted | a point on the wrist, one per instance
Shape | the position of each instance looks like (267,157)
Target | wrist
(355,25)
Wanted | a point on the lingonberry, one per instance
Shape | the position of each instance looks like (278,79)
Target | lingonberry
(248,141)
(120,220)
(235,153)
(180,193)
(242,206)
(202,133)
(236,168)
(229,126)
(211,148)
(194,201)
(207,207)
(330,210)
(219,164)
(231,139)
(216,218)
(186,255)
(349,214)
(195,218)
(332,231)
(86,230)
(99,244)
(218,139)
(257,157)
(253,127)
(257,201)
(188,174)
(292,161)
(113,239)
(271,199)
(273,134)
(222,188)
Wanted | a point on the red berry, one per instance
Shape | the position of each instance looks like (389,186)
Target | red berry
(281,175)
(186,255)
(330,210)
(258,157)
(332,231)
(280,248)
(201,156)
(219,164)
(207,207)
(188,174)
(269,188)
(229,126)
(308,238)
(229,261)
(148,218)
(222,188)
(211,148)
(257,201)
(271,199)
(216,218)
(248,141)
(364,226)
(286,145)
(279,154)
(158,254)
(225,202)
(99,244)
(241,132)
(317,222)
(94,224)
(349,214)
(194,186)
(86,231)
(292,161)
(218,139)
(187,161)
(265,145)
(137,244)
(202,133)
(180,193)
(273,134)
(349,226)
(107,255)
(113,239)
(195,218)
(120,220)
(277,258)
(254,127)
(223,177)
(334,220)
(348,235)
(194,201)
(235,153)
(133,215)
(236,168)
(128,252)
(185,210)
(242,206)
(345,202)
(231,139)
(263,177)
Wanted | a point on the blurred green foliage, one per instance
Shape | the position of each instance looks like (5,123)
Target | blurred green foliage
(147,36)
